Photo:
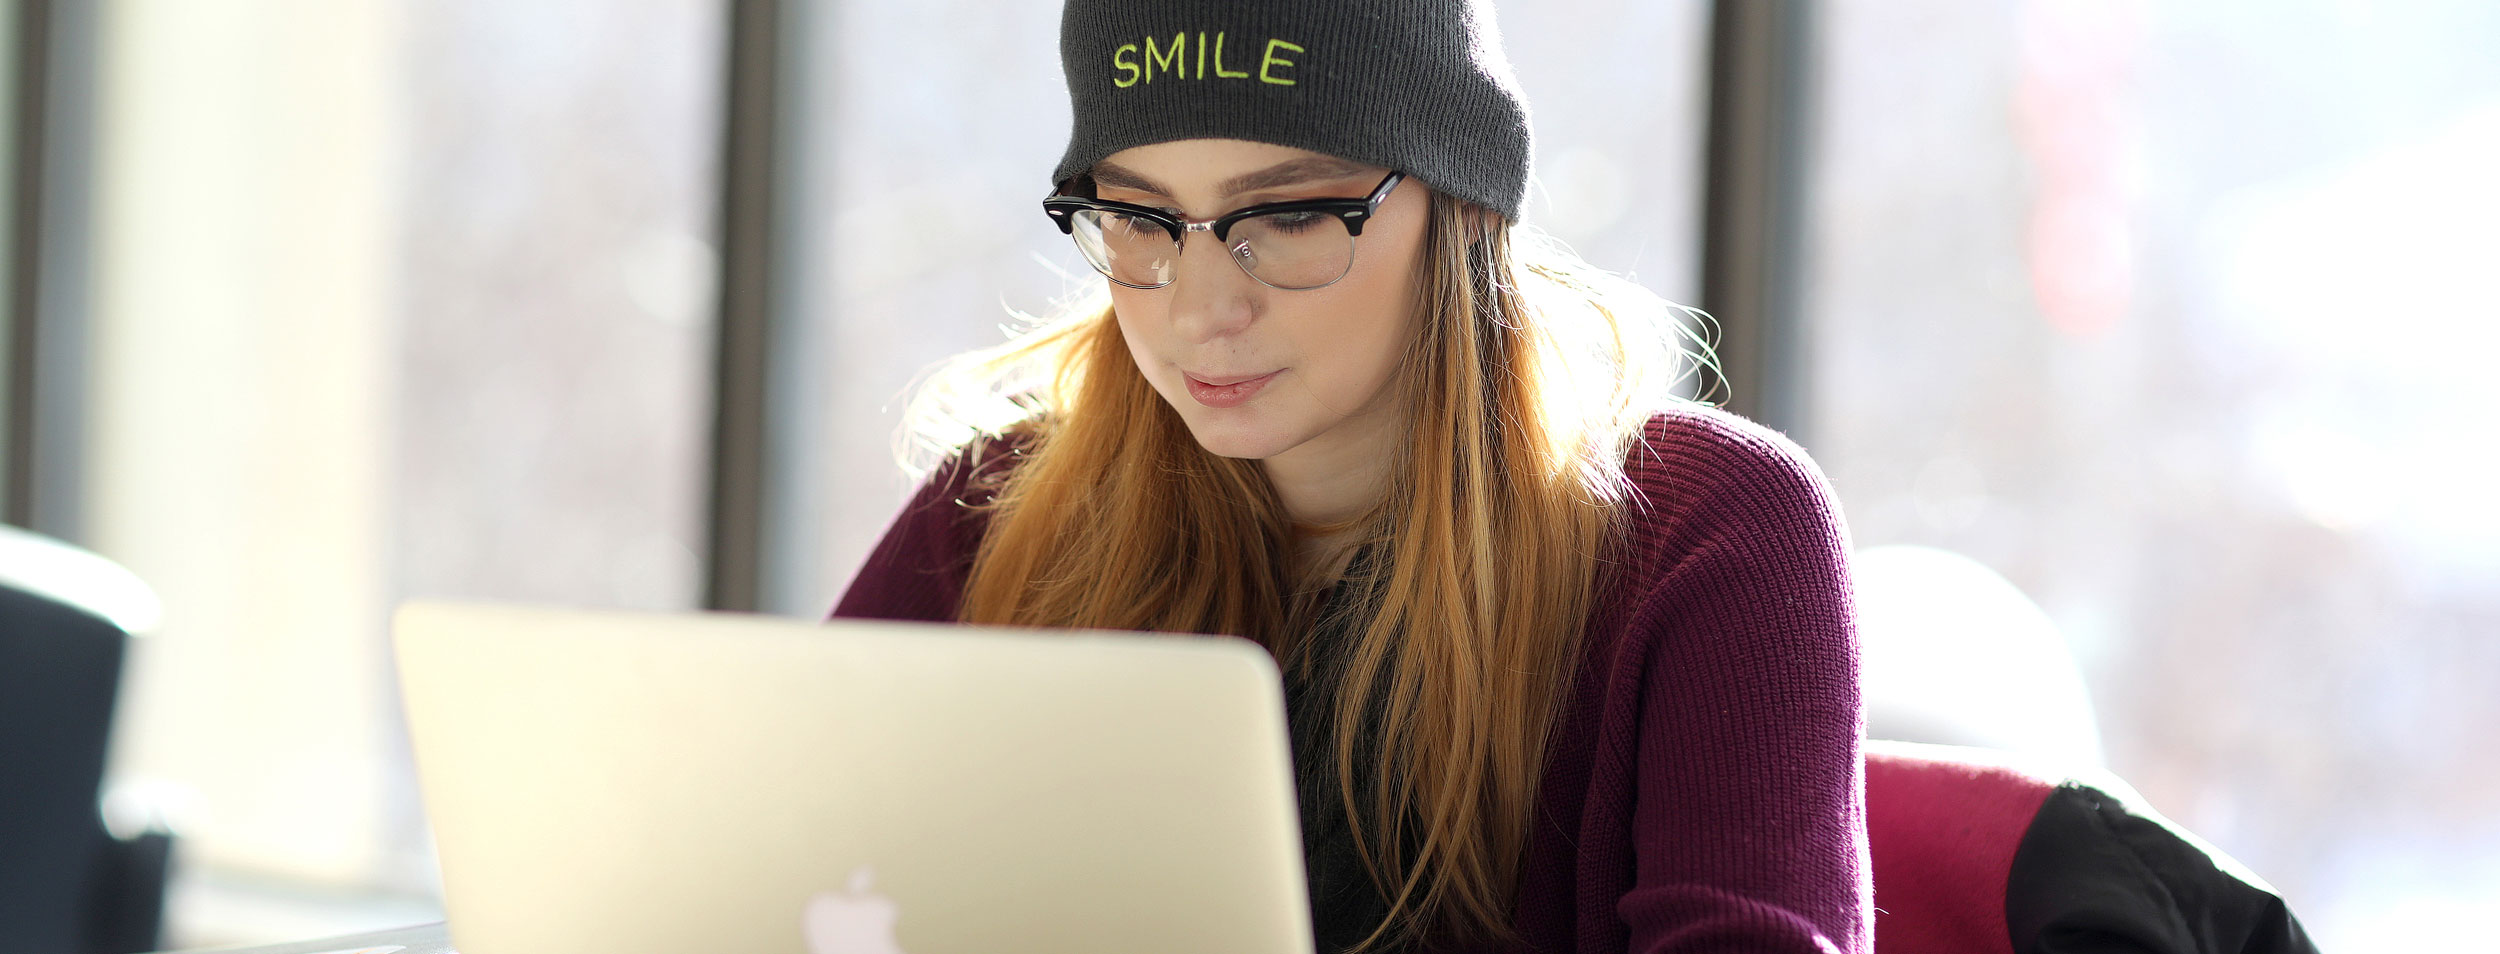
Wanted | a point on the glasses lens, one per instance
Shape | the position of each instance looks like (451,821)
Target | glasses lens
(1131,250)
(1293,249)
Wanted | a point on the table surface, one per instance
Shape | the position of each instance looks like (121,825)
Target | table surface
(432,938)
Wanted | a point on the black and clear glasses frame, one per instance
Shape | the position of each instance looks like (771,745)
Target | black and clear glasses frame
(1066,210)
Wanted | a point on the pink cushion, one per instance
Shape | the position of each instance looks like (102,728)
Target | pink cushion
(1942,824)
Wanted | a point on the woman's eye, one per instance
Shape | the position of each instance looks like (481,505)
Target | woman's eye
(1295,221)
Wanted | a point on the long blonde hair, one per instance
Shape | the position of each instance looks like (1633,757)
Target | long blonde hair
(1531,377)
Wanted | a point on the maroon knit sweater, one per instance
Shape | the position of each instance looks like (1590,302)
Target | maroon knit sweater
(1704,792)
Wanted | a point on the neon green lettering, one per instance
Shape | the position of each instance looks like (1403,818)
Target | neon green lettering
(1172,62)
(1129,66)
(1202,55)
(1266,62)
(1220,71)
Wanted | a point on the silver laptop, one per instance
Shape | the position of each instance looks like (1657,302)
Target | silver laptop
(633,782)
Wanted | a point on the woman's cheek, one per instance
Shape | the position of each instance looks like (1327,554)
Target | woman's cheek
(1141,349)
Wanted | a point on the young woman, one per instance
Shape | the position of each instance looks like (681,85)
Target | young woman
(1569,662)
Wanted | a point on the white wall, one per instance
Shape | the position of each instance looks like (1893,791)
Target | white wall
(239,393)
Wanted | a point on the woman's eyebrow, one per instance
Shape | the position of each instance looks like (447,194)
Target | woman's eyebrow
(1281,174)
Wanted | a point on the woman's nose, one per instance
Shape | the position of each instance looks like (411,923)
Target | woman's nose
(1211,296)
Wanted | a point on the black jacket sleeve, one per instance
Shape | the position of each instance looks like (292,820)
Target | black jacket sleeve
(2098,873)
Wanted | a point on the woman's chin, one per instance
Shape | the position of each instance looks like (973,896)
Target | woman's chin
(1231,433)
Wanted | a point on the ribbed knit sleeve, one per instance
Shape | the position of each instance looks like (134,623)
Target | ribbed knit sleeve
(918,569)
(1748,824)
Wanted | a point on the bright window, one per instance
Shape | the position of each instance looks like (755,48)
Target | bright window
(391,300)
(2176,315)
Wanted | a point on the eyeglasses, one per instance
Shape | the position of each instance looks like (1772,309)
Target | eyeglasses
(1285,245)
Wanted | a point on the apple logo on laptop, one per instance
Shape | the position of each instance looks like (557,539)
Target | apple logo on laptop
(856,921)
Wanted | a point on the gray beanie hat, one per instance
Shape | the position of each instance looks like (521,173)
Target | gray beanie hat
(1420,86)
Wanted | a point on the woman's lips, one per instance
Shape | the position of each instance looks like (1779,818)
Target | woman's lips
(1230,392)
